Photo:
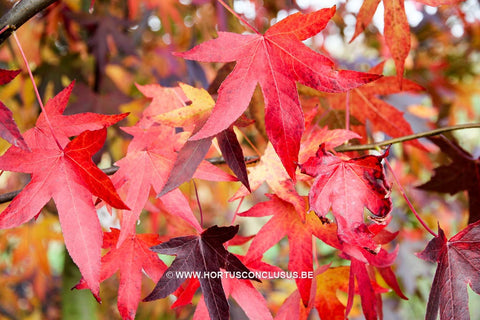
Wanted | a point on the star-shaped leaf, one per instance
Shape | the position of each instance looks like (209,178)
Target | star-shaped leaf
(131,258)
(458,266)
(366,103)
(285,222)
(204,254)
(276,61)
(71,178)
(347,187)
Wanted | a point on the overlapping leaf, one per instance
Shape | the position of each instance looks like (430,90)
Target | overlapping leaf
(462,174)
(458,266)
(285,221)
(131,258)
(152,156)
(203,254)
(347,187)
(271,171)
(71,178)
(8,129)
(66,126)
(192,153)
(365,103)
(396,28)
(275,60)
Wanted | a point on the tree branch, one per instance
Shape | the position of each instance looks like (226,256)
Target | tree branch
(419,135)
(6,197)
(19,14)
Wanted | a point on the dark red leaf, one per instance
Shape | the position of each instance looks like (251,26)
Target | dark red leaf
(204,253)
(189,158)
(462,174)
(458,266)
(233,154)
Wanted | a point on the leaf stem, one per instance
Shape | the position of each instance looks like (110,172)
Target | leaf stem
(250,143)
(410,205)
(198,203)
(239,17)
(36,90)
(407,138)
(238,209)
(347,111)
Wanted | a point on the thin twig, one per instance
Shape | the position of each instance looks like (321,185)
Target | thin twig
(409,203)
(419,135)
(347,111)
(238,17)
(47,120)
(19,14)
(6,197)
(198,203)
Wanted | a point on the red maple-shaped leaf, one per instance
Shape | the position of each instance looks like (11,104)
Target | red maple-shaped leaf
(131,258)
(285,222)
(164,99)
(365,103)
(8,129)
(66,126)
(316,136)
(347,187)
(458,266)
(71,178)
(204,254)
(275,60)
(149,160)
(396,29)
(270,170)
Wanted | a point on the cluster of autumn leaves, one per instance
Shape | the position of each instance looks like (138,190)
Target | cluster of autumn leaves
(168,146)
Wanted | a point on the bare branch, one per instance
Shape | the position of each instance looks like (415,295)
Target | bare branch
(419,135)
(19,14)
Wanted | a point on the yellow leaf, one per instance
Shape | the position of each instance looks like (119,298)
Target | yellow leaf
(201,106)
